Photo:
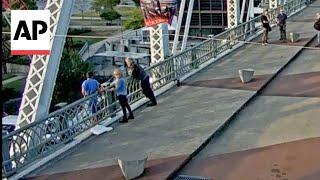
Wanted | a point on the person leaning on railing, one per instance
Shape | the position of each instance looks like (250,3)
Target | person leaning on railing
(137,72)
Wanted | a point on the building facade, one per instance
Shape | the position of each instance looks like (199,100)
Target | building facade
(208,17)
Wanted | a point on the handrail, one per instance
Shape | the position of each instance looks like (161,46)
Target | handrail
(37,139)
(83,49)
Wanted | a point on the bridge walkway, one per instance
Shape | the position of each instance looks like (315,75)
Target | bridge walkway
(185,116)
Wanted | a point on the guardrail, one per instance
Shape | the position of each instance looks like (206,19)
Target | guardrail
(84,48)
(38,139)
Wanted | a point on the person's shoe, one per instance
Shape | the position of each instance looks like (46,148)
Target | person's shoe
(152,104)
(280,39)
(131,116)
(124,120)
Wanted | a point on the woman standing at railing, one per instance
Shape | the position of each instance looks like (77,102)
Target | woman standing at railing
(120,87)
(265,19)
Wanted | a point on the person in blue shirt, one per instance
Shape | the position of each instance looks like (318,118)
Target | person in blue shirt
(88,87)
(281,20)
(120,88)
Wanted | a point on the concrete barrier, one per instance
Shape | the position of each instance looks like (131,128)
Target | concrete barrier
(246,75)
(294,37)
(132,165)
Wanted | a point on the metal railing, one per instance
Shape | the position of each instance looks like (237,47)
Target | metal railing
(84,49)
(38,139)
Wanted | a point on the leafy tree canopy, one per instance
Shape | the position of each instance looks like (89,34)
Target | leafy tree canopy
(70,77)
(110,15)
(107,4)
(134,20)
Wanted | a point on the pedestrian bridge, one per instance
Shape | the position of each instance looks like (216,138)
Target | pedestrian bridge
(199,92)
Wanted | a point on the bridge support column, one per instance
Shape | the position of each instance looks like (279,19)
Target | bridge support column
(233,8)
(159,45)
(273,4)
(44,69)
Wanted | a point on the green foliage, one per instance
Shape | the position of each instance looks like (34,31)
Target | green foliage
(70,76)
(97,4)
(7,76)
(22,60)
(30,3)
(78,31)
(134,20)
(110,15)
(9,94)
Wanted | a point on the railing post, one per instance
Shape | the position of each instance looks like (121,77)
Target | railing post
(214,47)
(110,100)
(7,167)
(194,63)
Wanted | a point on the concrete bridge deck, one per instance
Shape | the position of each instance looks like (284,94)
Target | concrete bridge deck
(187,115)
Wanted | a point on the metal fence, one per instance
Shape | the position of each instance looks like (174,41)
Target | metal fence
(38,139)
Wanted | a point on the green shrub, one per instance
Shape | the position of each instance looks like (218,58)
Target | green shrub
(134,20)
(78,31)
(110,15)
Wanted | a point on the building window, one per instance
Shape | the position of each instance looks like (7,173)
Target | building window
(194,19)
(205,19)
(217,19)
(216,5)
(205,4)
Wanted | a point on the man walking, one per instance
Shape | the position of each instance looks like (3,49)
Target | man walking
(138,73)
(281,20)
(88,87)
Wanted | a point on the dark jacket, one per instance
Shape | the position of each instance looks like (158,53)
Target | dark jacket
(282,19)
(265,18)
(138,72)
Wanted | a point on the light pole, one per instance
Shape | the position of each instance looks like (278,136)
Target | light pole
(102,8)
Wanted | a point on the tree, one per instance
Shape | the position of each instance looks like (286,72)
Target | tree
(134,20)
(98,4)
(70,76)
(110,15)
(28,4)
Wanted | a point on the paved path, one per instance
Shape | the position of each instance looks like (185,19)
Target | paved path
(185,116)
(12,80)
(287,110)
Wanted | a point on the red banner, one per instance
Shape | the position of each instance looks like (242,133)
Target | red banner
(158,11)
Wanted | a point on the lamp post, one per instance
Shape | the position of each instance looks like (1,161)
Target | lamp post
(102,8)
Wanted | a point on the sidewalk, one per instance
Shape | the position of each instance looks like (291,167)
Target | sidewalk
(185,116)
(12,80)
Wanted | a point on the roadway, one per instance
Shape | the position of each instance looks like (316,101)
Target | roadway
(188,115)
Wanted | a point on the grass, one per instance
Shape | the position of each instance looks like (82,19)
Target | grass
(7,76)
(83,40)
(16,85)
(125,11)
(87,14)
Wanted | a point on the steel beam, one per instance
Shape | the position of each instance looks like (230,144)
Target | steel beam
(43,69)
(177,31)
(273,4)
(187,25)
(233,13)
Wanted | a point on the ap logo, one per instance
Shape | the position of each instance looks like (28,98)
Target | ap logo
(30,32)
